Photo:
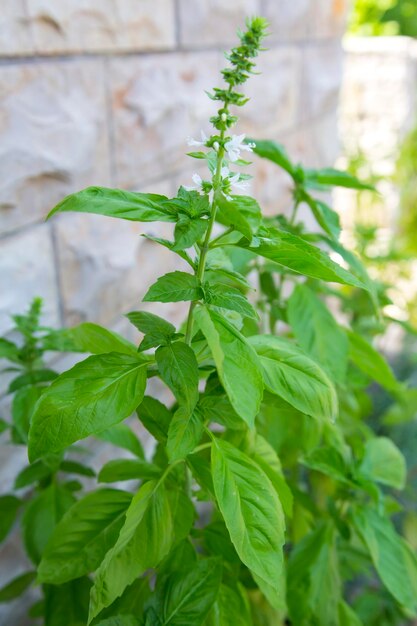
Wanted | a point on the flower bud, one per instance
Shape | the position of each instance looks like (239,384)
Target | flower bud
(223,117)
(216,145)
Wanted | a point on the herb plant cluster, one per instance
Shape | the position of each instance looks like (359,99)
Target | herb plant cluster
(268,497)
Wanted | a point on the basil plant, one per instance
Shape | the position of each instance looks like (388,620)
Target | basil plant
(268,497)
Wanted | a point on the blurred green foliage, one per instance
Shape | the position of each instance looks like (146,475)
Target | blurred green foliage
(384,17)
(406,178)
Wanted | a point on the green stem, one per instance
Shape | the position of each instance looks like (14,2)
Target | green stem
(217,181)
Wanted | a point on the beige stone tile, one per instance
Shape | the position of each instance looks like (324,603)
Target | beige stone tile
(328,18)
(157,101)
(106,267)
(115,25)
(53,136)
(209,22)
(288,19)
(27,270)
(15,36)
(274,94)
(322,77)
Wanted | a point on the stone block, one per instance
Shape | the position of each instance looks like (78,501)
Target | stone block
(212,22)
(27,270)
(15,36)
(106,267)
(328,18)
(288,19)
(274,94)
(53,136)
(108,25)
(157,101)
(322,76)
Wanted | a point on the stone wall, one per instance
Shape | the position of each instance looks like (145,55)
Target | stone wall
(105,92)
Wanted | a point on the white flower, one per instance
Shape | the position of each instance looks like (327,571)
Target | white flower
(243,185)
(194,142)
(198,184)
(235,145)
(234,180)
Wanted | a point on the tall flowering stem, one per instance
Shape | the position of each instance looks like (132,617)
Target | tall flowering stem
(241,67)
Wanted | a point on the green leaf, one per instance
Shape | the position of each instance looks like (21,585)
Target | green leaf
(90,397)
(67,604)
(144,540)
(128,469)
(32,378)
(392,557)
(302,257)
(120,620)
(236,361)
(331,177)
(32,474)
(3,425)
(41,516)
(329,461)
(174,287)
(127,205)
(216,407)
(369,361)
(347,617)
(155,417)
(83,536)
(242,213)
(317,332)
(157,331)
(23,406)
(384,463)
(251,510)
(74,467)
(8,350)
(357,268)
(230,609)
(122,437)
(293,376)
(265,456)
(178,368)
(313,578)
(9,506)
(17,587)
(131,602)
(186,598)
(185,431)
(274,152)
(188,230)
(325,216)
(228,298)
(88,337)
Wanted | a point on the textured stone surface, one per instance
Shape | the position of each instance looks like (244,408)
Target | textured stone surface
(27,270)
(213,21)
(157,102)
(53,137)
(328,18)
(288,19)
(88,25)
(15,36)
(105,266)
(273,105)
(322,70)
